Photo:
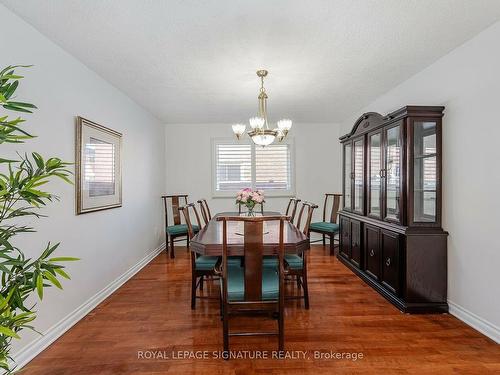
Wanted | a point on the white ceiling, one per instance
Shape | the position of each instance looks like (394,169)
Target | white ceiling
(190,61)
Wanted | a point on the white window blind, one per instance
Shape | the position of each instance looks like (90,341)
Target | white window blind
(273,167)
(241,165)
(233,167)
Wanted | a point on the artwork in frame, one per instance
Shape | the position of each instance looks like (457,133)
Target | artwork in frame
(98,167)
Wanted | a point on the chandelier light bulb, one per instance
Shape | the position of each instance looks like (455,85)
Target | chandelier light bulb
(257,122)
(238,130)
(284,125)
(263,139)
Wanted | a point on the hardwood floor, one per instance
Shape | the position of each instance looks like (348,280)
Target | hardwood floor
(151,316)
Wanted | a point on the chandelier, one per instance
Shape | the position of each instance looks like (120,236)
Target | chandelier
(260,132)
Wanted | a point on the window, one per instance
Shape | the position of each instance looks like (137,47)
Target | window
(99,164)
(240,165)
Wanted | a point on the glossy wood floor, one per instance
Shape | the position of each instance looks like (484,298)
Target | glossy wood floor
(151,313)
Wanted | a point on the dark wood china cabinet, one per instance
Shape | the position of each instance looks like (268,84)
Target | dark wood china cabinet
(390,223)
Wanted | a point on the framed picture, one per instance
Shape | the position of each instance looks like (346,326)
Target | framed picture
(98,167)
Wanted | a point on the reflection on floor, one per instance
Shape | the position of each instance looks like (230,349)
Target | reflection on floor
(147,327)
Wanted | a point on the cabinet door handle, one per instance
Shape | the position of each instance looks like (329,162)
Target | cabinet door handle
(381,173)
(388,261)
(372,252)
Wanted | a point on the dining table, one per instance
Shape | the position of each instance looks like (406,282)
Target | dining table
(208,241)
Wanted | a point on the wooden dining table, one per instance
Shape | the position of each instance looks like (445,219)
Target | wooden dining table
(208,241)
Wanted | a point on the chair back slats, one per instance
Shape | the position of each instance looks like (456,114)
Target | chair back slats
(308,216)
(175,210)
(175,203)
(205,211)
(187,218)
(335,207)
(301,212)
(253,245)
(253,254)
(292,206)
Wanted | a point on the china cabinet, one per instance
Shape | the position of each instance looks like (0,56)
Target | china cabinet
(390,222)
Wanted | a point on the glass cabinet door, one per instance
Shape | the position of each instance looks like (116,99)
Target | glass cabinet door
(392,173)
(424,172)
(347,175)
(375,174)
(358,195)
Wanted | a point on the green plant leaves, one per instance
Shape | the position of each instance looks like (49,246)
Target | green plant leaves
(63,259)
(39,285)
(8,332)
(22,192)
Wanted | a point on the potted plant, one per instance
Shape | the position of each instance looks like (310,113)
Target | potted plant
(22,194)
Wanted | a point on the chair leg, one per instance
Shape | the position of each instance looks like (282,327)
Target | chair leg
(172,254)
(187,243)
(332,244)
(166,243)
(201,282)
(306,291)
(281,330)
(193,291)
(324,240)
(225,327)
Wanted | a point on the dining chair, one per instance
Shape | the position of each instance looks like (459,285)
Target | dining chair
(291,208)
(296,264)
(328,228)
(252,288)
(201,265)
(205,211)
(175,232)
(260,204)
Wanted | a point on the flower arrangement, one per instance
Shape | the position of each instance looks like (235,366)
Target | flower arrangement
(250,198)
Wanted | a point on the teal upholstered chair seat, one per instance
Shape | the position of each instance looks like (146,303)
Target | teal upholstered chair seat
(234,261)
(324,227)
(206,263)
(270,261)
(176,230)
(295,262)
(236,284)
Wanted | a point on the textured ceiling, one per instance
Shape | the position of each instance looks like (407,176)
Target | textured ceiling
(191,61)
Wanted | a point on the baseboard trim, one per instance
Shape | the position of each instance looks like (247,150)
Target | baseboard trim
(476,322)
(30,351)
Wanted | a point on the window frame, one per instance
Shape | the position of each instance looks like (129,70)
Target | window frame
(268,193)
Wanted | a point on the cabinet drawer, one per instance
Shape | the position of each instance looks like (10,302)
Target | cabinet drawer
(372,251)
(355,243)
(345,237)
(390,243)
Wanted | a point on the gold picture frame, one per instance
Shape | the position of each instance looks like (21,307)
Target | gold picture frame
(98,167)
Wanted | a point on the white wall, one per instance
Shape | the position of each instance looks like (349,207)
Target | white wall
(108,242)
(189,158)
(467,82)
